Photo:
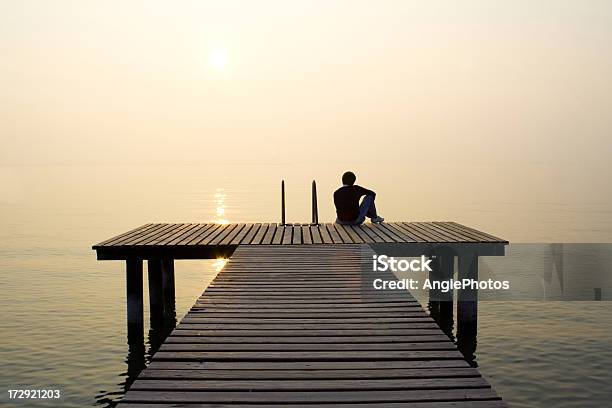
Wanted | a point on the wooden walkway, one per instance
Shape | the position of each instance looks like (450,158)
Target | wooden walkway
(301,326)
(197,240)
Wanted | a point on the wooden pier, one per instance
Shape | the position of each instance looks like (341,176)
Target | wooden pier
(293,319)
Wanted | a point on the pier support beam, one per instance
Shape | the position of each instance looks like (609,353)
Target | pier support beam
(135,325)
(467,307)
(133,284)
(467,299)
(446,306)
(167,265)
(135,329)
(156,296)
(441,303)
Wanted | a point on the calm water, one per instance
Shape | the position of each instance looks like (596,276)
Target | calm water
(64,324)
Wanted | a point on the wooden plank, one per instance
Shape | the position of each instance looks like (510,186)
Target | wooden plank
(306,237)
(250,236)
(180,235)
(431,233)
(140,235)
(373,236)
(306,333)
(258,237)
(191,234)
(136,235)
(313,296)
(453,235)
(325,236)
(408,310)
(234,233)
(229,347)
(173,233)
(332,233)
(349,396)
(240,236)
(384,233)
(306,385)
(149,235)
(361,233)
(279,234)
(184,235)
(409,231)
(393,232)
(484,236)
(391,373)
(346,238)
(282,341)
(291,320)
(306,326)
(457,231)
(297,235)
(350,303)
(169,232)
(270,233)
(320,301)
(287,234)
(430,404)
(405,234)
(315,231)
(223,232)
(208,235)
(127,234)
(309,356)
(349,229)
(205,233)
(308,365)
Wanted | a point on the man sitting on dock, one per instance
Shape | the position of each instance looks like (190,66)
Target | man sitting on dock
(346,199)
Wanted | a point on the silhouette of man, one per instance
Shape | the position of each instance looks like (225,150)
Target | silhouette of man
(346,199)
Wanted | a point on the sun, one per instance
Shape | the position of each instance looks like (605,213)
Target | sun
(218,58)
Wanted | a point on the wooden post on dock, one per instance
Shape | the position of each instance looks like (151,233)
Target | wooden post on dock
(282,202)
(446,305)
(441,303)
(467,307)
(167,266)
(133,284)
(135,324)
(467,299)
(156,295)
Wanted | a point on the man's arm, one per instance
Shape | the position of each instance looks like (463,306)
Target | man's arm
(364,191)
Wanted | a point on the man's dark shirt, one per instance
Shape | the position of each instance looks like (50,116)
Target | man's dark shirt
(346,199)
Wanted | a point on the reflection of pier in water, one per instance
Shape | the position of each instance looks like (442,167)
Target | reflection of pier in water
(551,272)
(296,303)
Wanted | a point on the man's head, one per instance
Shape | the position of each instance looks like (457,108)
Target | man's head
(348,178)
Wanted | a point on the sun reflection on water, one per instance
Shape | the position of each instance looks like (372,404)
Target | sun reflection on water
(219,199)
(219,264)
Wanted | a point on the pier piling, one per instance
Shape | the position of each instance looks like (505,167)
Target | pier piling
(156,296)
(134,291)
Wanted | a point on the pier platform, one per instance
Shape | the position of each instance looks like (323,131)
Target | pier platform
(293,319)
(201,240)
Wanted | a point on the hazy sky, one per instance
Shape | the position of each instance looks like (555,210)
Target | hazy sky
(509,82)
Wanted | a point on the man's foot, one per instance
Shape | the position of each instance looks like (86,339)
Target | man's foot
(377,219)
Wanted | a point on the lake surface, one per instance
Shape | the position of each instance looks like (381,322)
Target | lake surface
(545,344)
